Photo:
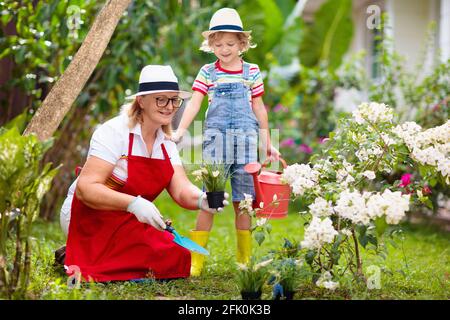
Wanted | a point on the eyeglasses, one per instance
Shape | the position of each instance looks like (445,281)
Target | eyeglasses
(162,102)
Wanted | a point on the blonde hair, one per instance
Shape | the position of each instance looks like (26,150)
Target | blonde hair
(244,38)
(134,112)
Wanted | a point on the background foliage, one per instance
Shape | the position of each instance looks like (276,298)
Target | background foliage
(303,75)
(303,63)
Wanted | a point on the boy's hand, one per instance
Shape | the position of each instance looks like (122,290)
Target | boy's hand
(176,136)
(273,154)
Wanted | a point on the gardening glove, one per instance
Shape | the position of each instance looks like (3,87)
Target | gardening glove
(203,203)
(273,153)
(146,212)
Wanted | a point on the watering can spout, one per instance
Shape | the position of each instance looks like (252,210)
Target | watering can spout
(253,169)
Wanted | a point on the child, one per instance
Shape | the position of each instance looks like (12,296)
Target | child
(235,112)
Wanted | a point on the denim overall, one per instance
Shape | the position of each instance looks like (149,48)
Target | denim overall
(231,131)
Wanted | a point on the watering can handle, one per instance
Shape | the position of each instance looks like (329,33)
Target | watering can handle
(283,162)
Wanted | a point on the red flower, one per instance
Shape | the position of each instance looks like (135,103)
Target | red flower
(426,190)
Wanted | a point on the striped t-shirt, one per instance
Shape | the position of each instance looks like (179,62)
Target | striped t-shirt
(204,85)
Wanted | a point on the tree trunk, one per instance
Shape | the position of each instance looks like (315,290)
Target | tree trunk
(58,102)
(359,272)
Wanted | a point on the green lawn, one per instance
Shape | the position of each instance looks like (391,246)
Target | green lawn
(419,268)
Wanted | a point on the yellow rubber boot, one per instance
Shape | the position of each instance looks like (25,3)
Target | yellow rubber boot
(244,246)
(197,259)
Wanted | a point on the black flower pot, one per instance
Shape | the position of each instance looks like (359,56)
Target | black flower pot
(215,199)
(251,295)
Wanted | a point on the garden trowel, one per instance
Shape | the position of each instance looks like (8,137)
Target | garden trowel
(186,242)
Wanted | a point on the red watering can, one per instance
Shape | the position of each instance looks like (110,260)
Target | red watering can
(267,184)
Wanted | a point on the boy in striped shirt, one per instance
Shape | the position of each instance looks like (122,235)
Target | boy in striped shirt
(236,116)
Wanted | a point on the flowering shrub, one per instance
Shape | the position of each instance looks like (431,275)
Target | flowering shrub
(430,147)
(349,205)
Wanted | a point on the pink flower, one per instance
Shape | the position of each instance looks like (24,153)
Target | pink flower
(406,179)
(323,140)
(289,142)
(305,148)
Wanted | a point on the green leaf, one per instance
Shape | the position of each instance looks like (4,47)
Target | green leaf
(393,243)
(266,21)
(310,255)
(361,229)
(380,225)
(268,228)
(5,18)
(273,20)
(5,52)
(423,171)
(428,203)
(329,38)
(363,240)
(433,181)
(259,237)
(335,255)
(372,239)
(289,44)
(286,6)
(19,122)
(339,239)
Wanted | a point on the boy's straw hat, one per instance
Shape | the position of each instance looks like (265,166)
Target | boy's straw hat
(225,20)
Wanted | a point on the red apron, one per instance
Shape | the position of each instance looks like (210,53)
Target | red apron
(114,245)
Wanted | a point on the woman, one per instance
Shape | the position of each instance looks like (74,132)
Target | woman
(115,231)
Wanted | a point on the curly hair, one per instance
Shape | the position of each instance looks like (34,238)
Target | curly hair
(243,38)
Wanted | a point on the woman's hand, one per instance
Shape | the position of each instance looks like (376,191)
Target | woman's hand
(146,212)
(203,203)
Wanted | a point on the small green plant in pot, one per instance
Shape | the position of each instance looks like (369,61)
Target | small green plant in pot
(285,278)
(251,278)
(214,176)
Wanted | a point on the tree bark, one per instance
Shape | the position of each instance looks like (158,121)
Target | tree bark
(358,257)
(63,94)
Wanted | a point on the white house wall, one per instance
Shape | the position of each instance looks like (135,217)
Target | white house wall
(444,30)
(410,20)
